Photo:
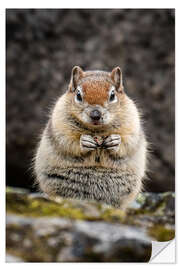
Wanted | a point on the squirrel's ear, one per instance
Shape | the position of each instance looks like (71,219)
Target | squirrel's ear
(76,75)
(116,76)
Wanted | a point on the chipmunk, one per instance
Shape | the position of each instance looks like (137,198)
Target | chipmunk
(93,146)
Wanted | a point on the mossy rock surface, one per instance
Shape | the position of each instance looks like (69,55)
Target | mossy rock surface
(38,228)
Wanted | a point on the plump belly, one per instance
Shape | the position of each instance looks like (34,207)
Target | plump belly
(100,184)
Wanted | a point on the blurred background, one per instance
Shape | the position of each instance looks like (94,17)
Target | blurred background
(42,47)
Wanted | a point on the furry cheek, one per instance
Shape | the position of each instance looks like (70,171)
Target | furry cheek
(107,117)
(85,117)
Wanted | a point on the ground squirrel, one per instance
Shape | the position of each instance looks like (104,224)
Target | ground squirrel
(93,146)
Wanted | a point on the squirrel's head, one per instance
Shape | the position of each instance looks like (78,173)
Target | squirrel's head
(95,96)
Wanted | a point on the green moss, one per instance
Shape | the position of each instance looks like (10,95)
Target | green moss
(22,204)
(161,233)
(113,215)
(40,207)
(157,210)
(141,199)
(16,190)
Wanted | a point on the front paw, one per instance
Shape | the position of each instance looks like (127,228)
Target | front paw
(87,143)
(112,142)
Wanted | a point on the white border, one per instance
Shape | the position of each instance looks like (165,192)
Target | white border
(138,4)
(2,134)
(75,4)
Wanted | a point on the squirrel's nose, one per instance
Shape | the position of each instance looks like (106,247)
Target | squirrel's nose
(95,115)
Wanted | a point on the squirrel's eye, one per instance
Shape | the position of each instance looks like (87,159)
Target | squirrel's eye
(112,96)
(78,96)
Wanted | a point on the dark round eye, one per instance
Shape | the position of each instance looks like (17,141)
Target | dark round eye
(78,96)
(112,96)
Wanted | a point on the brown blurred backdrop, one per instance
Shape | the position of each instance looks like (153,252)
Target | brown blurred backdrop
(42,47)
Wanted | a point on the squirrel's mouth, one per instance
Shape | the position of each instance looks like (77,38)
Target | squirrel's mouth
(96,123)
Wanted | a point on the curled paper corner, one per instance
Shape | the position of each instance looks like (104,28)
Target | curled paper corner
(163,252)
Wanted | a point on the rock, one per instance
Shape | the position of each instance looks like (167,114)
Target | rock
(156,212)
(64,240)
(42,47)
(10,258)
(43,230)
